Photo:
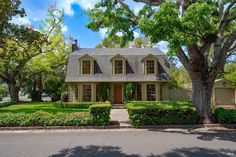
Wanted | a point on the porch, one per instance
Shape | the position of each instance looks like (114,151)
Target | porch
(118,92)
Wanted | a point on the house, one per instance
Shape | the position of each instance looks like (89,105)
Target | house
(224,93)
(90,69)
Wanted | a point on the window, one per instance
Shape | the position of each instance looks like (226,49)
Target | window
(151,92)
(150,67)
(139,92)
(118,66)
(86,66)
(87,92)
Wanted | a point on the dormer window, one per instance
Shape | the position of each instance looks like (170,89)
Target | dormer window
(119,67)
(86,66)
(150,64)
(118,64)
(150,67)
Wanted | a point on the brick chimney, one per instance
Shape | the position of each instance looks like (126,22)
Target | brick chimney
(75,45)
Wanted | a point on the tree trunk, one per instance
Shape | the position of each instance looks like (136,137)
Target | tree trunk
(201,98)
(36,93)
(14,91)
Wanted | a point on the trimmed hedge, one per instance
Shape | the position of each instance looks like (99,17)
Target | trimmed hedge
(161,113)
(227,116)
(41,118)
(100,114)
(81,105)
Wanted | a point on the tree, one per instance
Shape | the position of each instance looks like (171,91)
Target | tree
(192,29)
(49,67)
(20,45)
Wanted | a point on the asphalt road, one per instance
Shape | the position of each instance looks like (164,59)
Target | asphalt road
(116,143)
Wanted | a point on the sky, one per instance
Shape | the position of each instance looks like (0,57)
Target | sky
(75,19)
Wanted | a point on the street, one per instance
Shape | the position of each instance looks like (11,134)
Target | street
(123,142)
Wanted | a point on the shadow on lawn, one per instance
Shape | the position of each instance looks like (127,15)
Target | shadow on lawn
(110,151)
(206,136)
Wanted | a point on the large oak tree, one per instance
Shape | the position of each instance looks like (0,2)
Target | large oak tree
(193,29)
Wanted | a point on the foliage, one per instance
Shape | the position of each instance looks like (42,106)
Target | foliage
(41,118)
(82,105)
(161,113)
(181,77)
(129,91)
(100,114)
(230,72)
(49,75)
(225,115)
(32,107)
(104,90)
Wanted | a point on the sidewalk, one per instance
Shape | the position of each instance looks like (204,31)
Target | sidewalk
(120,115)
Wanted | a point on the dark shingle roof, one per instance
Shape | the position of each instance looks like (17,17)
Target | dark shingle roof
(103,65)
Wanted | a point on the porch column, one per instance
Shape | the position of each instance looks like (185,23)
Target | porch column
(93,91)
(71,92)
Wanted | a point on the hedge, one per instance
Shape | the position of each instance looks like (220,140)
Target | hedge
(162,113)
(225,115)
(81,105)
(100,114)
(41,118)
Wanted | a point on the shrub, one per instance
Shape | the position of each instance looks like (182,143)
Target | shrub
(41,118)
(81,105)
(100,114)
(225,115)
(161,113)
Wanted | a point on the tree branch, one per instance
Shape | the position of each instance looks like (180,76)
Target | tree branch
(151,2)
(183,58)
(130,12)
(223,21)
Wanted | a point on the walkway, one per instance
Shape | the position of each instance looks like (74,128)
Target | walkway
(120,115)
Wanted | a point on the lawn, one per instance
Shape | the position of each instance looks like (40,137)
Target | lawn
(37,106)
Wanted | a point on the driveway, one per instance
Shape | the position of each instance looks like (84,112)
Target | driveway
(116,143)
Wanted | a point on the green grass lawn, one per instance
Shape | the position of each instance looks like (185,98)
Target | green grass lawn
(37,106)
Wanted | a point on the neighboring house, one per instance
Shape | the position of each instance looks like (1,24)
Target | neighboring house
(147,68)
(224,93)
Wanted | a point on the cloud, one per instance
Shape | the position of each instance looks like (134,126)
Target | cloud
(103,32)
(66,5)
(163,46)
(21,20)
(64,28)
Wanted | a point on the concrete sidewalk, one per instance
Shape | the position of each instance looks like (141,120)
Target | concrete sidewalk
(120,115)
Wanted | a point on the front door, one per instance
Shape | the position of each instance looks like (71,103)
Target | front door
(118,93)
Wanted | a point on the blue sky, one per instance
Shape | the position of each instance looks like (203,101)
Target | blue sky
(75,19)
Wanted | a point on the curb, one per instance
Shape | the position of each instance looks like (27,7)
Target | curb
(208,126)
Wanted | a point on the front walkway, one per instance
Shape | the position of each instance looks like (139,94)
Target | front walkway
(120,115)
